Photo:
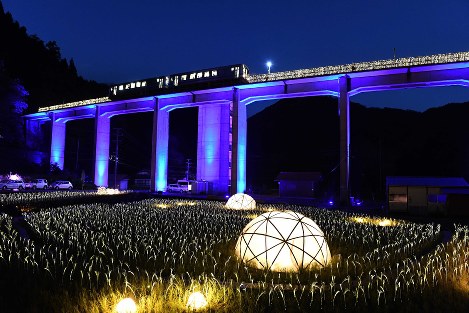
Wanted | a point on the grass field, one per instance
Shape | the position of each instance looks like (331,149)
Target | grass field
(87,257)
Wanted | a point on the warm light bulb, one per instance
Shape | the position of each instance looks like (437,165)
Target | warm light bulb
(196,301)
(126,305)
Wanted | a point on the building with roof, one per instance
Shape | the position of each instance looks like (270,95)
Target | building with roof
(298,184)
(423,195)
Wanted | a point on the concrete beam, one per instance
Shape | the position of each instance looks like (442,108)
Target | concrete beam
(213,145)
(239,144)
(57,150)
(344,119)
(159,154)
(102,132)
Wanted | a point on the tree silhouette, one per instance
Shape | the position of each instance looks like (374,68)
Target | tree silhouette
(12,104)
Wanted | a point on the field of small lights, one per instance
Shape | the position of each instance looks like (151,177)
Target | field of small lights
(88,257)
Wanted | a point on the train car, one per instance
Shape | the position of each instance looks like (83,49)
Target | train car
(195,80)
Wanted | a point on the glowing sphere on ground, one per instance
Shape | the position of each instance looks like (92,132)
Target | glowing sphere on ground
(196,301)
(283,241)
(241,201)
(126,305)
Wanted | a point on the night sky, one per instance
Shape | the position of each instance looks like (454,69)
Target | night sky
(118,41)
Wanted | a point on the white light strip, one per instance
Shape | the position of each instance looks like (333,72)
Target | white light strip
(363,66)
(74,104)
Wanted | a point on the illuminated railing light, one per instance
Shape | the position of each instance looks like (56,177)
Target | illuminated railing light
(74,104)
(362,66)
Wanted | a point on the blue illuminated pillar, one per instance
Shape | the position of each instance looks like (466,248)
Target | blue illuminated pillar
(213,145)
(33,140)
(344,118)
(57,147)
(159,154)
(238,155)
(101,139)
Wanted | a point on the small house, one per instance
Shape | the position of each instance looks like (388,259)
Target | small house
(298,184)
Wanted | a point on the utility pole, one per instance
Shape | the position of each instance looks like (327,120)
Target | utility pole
(78,149)
(188,168)
(118,133)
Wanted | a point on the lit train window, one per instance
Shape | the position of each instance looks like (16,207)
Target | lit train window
(138,84)
(183,77)
(214,73)
(121,87)
(166,81)
(114,90)
(132,85)
(236,71)
(192,76)
(176,80)
(159,81)
(144,84)
(207,74)
(199,75)
(127,86)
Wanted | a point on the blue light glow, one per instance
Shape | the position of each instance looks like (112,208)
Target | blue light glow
(161,172)
(57,150)
(103,128)
(241,179)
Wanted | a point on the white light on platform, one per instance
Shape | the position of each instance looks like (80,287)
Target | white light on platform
(241,201)
(283,241)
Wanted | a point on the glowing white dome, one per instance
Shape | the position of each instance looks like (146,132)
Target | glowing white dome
(241,201)
(283,241)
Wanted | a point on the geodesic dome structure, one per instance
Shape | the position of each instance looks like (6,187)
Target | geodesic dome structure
(241,201)
(283,241)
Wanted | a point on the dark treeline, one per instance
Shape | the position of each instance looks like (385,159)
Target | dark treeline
(33,74)
(48,77)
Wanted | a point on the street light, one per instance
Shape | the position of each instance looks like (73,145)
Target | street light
(269,65)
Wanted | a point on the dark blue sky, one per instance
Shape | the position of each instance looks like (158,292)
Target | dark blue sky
(117,40)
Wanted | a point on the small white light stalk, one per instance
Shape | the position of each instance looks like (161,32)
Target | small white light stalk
(269,65)
(126,305)
(196,301)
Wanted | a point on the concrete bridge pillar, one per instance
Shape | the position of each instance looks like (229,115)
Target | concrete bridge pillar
(239,142)
(213,145)
(102,131)
(344,118)
(34,139)
(159,154)
(57,149)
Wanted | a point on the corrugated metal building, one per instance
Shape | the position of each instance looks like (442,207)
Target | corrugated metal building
(422,195)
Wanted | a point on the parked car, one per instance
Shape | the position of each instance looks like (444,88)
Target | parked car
(181,186)
(61,184)
(28,184)
(39,183)
(173,188)
(11,184)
